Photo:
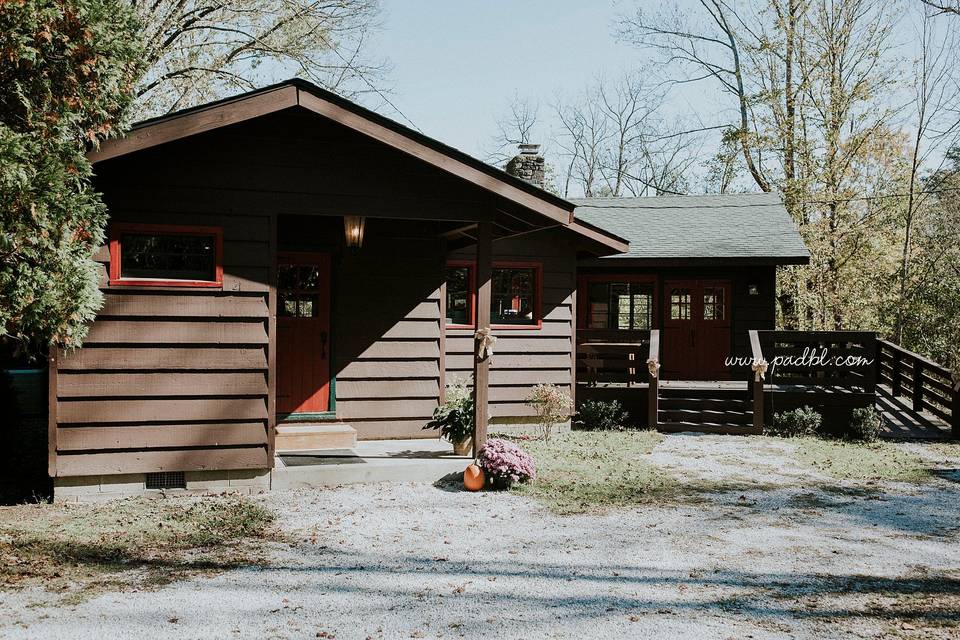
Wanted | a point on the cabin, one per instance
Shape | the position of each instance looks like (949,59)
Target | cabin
(286,270)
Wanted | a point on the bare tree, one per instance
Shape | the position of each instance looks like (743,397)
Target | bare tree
(519,125)
(944,6)
(936,127)
(200,50)
(712,51)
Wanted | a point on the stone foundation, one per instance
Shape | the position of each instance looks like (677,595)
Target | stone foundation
(111,487)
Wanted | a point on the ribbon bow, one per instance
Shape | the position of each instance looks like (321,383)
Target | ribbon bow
(653,367)
(759,369)
(486,340)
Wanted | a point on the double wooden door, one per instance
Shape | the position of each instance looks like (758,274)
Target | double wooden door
(303,333)
(696,330)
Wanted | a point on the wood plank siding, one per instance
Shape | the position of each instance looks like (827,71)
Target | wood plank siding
(525,357)
(178,379)
(172,379)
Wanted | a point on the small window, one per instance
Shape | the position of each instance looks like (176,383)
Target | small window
(297,287)
(515,295)
(148,255)
(680,304)
(620,305)
(460,298)
(713,306)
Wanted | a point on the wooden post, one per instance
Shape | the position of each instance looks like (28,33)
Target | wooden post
(757,404)
(896,376)
(917,385)
(481,366)
(955,414)
(53,357)
(653,390)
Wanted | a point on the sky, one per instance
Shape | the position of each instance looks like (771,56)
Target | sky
(457,63)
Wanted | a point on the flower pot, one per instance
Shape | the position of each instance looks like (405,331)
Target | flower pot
(462,448)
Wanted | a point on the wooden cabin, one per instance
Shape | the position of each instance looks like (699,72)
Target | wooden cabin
(288,270)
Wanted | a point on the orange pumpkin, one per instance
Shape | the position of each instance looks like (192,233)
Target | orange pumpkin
(473,478)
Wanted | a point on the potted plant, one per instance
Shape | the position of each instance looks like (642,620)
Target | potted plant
(504,463)
(454,418)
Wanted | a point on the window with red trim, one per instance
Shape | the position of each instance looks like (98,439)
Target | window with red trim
(515,295)
(166,256)
(620,305)
(461,297)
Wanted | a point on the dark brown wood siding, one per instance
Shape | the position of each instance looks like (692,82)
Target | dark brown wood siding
(524,358)
(172,379)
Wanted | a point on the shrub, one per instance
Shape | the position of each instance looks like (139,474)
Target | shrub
(552,405)
(865,424)
(799,422)
(454,418)
(600,415)
(505,463)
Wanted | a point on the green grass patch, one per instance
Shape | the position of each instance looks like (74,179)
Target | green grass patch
(580,472)
(878,461)
(78,548)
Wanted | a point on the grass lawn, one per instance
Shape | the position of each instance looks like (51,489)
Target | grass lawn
(580,472)
(80,548)
(878,461)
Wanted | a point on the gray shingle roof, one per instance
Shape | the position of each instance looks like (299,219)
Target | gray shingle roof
(741,225)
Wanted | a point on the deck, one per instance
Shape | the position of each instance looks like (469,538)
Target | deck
(904,423)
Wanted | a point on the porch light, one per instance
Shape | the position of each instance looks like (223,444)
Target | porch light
(353,227)
(753,289)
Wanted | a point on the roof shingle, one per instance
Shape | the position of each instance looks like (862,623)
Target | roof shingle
(742,225)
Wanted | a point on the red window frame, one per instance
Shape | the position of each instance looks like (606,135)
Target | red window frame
(472,284)
(537,294)
(118,229)
(583,296)
(472,277)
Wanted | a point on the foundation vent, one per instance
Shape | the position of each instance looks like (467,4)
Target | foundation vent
(166,480)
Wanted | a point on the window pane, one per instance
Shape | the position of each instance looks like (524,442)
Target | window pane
(309,277)
(680,304)
(713,307)
(287,277)
(642,296)
(308,307)
(168,257)
(288,305)
(458,295)
(513,296)
(598,305)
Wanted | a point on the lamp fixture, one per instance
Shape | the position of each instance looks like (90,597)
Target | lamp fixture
(353,228)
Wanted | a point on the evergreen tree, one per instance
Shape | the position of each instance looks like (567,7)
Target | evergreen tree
(67,73)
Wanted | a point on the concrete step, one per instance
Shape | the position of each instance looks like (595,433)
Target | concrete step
(315,436)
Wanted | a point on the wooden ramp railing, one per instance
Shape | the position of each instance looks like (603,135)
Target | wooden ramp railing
(930,386)
(757,376)
(604,360)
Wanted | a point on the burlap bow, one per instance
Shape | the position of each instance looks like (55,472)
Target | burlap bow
(759,369)
(653,367)
(485,342)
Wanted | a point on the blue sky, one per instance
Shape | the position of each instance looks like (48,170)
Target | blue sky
(457,63)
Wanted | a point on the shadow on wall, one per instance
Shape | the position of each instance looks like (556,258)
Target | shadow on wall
(23,436)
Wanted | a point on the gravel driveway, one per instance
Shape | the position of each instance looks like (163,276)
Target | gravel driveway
(787,560)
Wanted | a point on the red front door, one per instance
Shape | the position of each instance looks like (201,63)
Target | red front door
(696,330)
(303,333)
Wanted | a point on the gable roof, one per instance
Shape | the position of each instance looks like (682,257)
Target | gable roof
(747,227)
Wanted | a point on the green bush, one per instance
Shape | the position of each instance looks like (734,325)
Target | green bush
(804,421)
(599,415)
(866,423)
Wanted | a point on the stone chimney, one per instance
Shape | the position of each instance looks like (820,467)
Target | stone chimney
(528,165)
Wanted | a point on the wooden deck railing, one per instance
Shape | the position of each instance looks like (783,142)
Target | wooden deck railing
(929,385)
(653,376)
(842,360)
(600,360)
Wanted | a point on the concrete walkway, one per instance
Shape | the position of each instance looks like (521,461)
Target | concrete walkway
(370,461)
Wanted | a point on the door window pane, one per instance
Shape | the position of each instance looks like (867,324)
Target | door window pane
(514,296)
(713,307)
(459,296)
(680,304)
